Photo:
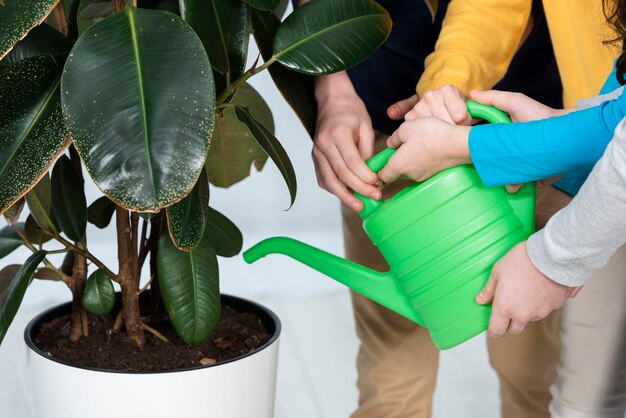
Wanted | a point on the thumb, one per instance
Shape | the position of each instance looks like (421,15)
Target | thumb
(397,110)
(497,98)
(486,294)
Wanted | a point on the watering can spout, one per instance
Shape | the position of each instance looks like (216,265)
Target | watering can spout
(380,287)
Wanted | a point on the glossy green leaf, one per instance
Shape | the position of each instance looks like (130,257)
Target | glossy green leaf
(233,148)
(211,20)
(237,48)
(190,288)
(41,40)
(281,8)
(267,5)
(138,95)
(32,131)
(12,293)
(10,240)
(296,88)
(326,36)
(46,273)
(39,201)
(7,274)
(68,199)
(34,233)
(100,212)
(186,219)
(99,295)
(224,235)
(12,214)
(90,11)
(17,17)
(169,5)
(147,216)
(270,144)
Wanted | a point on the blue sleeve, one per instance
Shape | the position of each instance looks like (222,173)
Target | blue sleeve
(611,83)
(522,152)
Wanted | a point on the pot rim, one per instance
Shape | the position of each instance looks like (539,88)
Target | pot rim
(266,315)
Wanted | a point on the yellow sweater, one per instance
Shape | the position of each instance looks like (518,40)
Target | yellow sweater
(479,38)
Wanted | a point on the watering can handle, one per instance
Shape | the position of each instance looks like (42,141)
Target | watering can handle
(378,161)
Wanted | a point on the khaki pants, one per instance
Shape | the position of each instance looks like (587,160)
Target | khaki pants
(397,361)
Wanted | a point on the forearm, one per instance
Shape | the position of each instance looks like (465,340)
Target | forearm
(522,152)
(476,44)
(329,86)
(582,237)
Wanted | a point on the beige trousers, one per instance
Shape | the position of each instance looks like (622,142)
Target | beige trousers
(397,361)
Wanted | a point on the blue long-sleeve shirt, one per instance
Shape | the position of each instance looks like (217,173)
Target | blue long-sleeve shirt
(522,152)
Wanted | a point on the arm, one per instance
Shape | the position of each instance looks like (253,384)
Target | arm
(521,152)
(534,278)
(582,237)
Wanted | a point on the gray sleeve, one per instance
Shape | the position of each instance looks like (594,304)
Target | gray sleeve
(595,101)
(582,237)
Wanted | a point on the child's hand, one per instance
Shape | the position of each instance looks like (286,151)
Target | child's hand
(520,107)
(446,102)
(425,147)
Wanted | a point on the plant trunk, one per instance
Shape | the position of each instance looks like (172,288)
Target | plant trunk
(128,278)
(156,303)
(80,323)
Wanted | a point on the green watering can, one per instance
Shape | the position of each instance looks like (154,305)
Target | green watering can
(441,237)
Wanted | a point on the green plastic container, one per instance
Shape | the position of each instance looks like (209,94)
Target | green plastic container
(440,237)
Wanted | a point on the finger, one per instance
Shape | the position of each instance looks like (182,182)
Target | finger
(366,142)
(487,293)
(513,188)
(328,181)
(498,324)
(399,109)
(515,327)
(351,156)
(421,109)
(439,109)
(457,109)
(394,140)
(391,170)
(497,98)
(349,178)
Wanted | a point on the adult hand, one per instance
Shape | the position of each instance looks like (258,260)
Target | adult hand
(520,293)
(344,139)
(425,146)
(520,107)
(446,102)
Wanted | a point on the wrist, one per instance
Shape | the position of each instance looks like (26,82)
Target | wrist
(457,147)
(332,86)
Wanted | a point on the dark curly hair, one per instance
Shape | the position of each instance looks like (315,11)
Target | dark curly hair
(615,12)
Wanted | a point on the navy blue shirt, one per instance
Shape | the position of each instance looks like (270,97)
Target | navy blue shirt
(391,73)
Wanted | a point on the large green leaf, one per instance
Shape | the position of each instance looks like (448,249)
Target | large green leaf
(10,240)
(35,234)
(138,95)
(39,200)
(211,20)
(296,88)
(270,144)
(41,40)
(32,131)
(267,5)
(224,235)
(68,199)
(99,296)
(190,288)
(12,293)
(90,11)
(326,36)
(7,274)
(100,212)
(237,48)
(186,219)
(233,149)
(17,17)
(13,213)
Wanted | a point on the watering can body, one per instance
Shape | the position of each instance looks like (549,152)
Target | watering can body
(440,238)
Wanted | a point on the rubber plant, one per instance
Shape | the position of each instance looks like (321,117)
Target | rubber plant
(150,99)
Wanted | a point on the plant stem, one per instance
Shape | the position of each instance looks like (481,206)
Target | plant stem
(89,256)
(156,333)
(237,83)
(60,19)
(143,244)
(79,321)
(129,281)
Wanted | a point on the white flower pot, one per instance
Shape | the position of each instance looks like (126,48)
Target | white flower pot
(240,388)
